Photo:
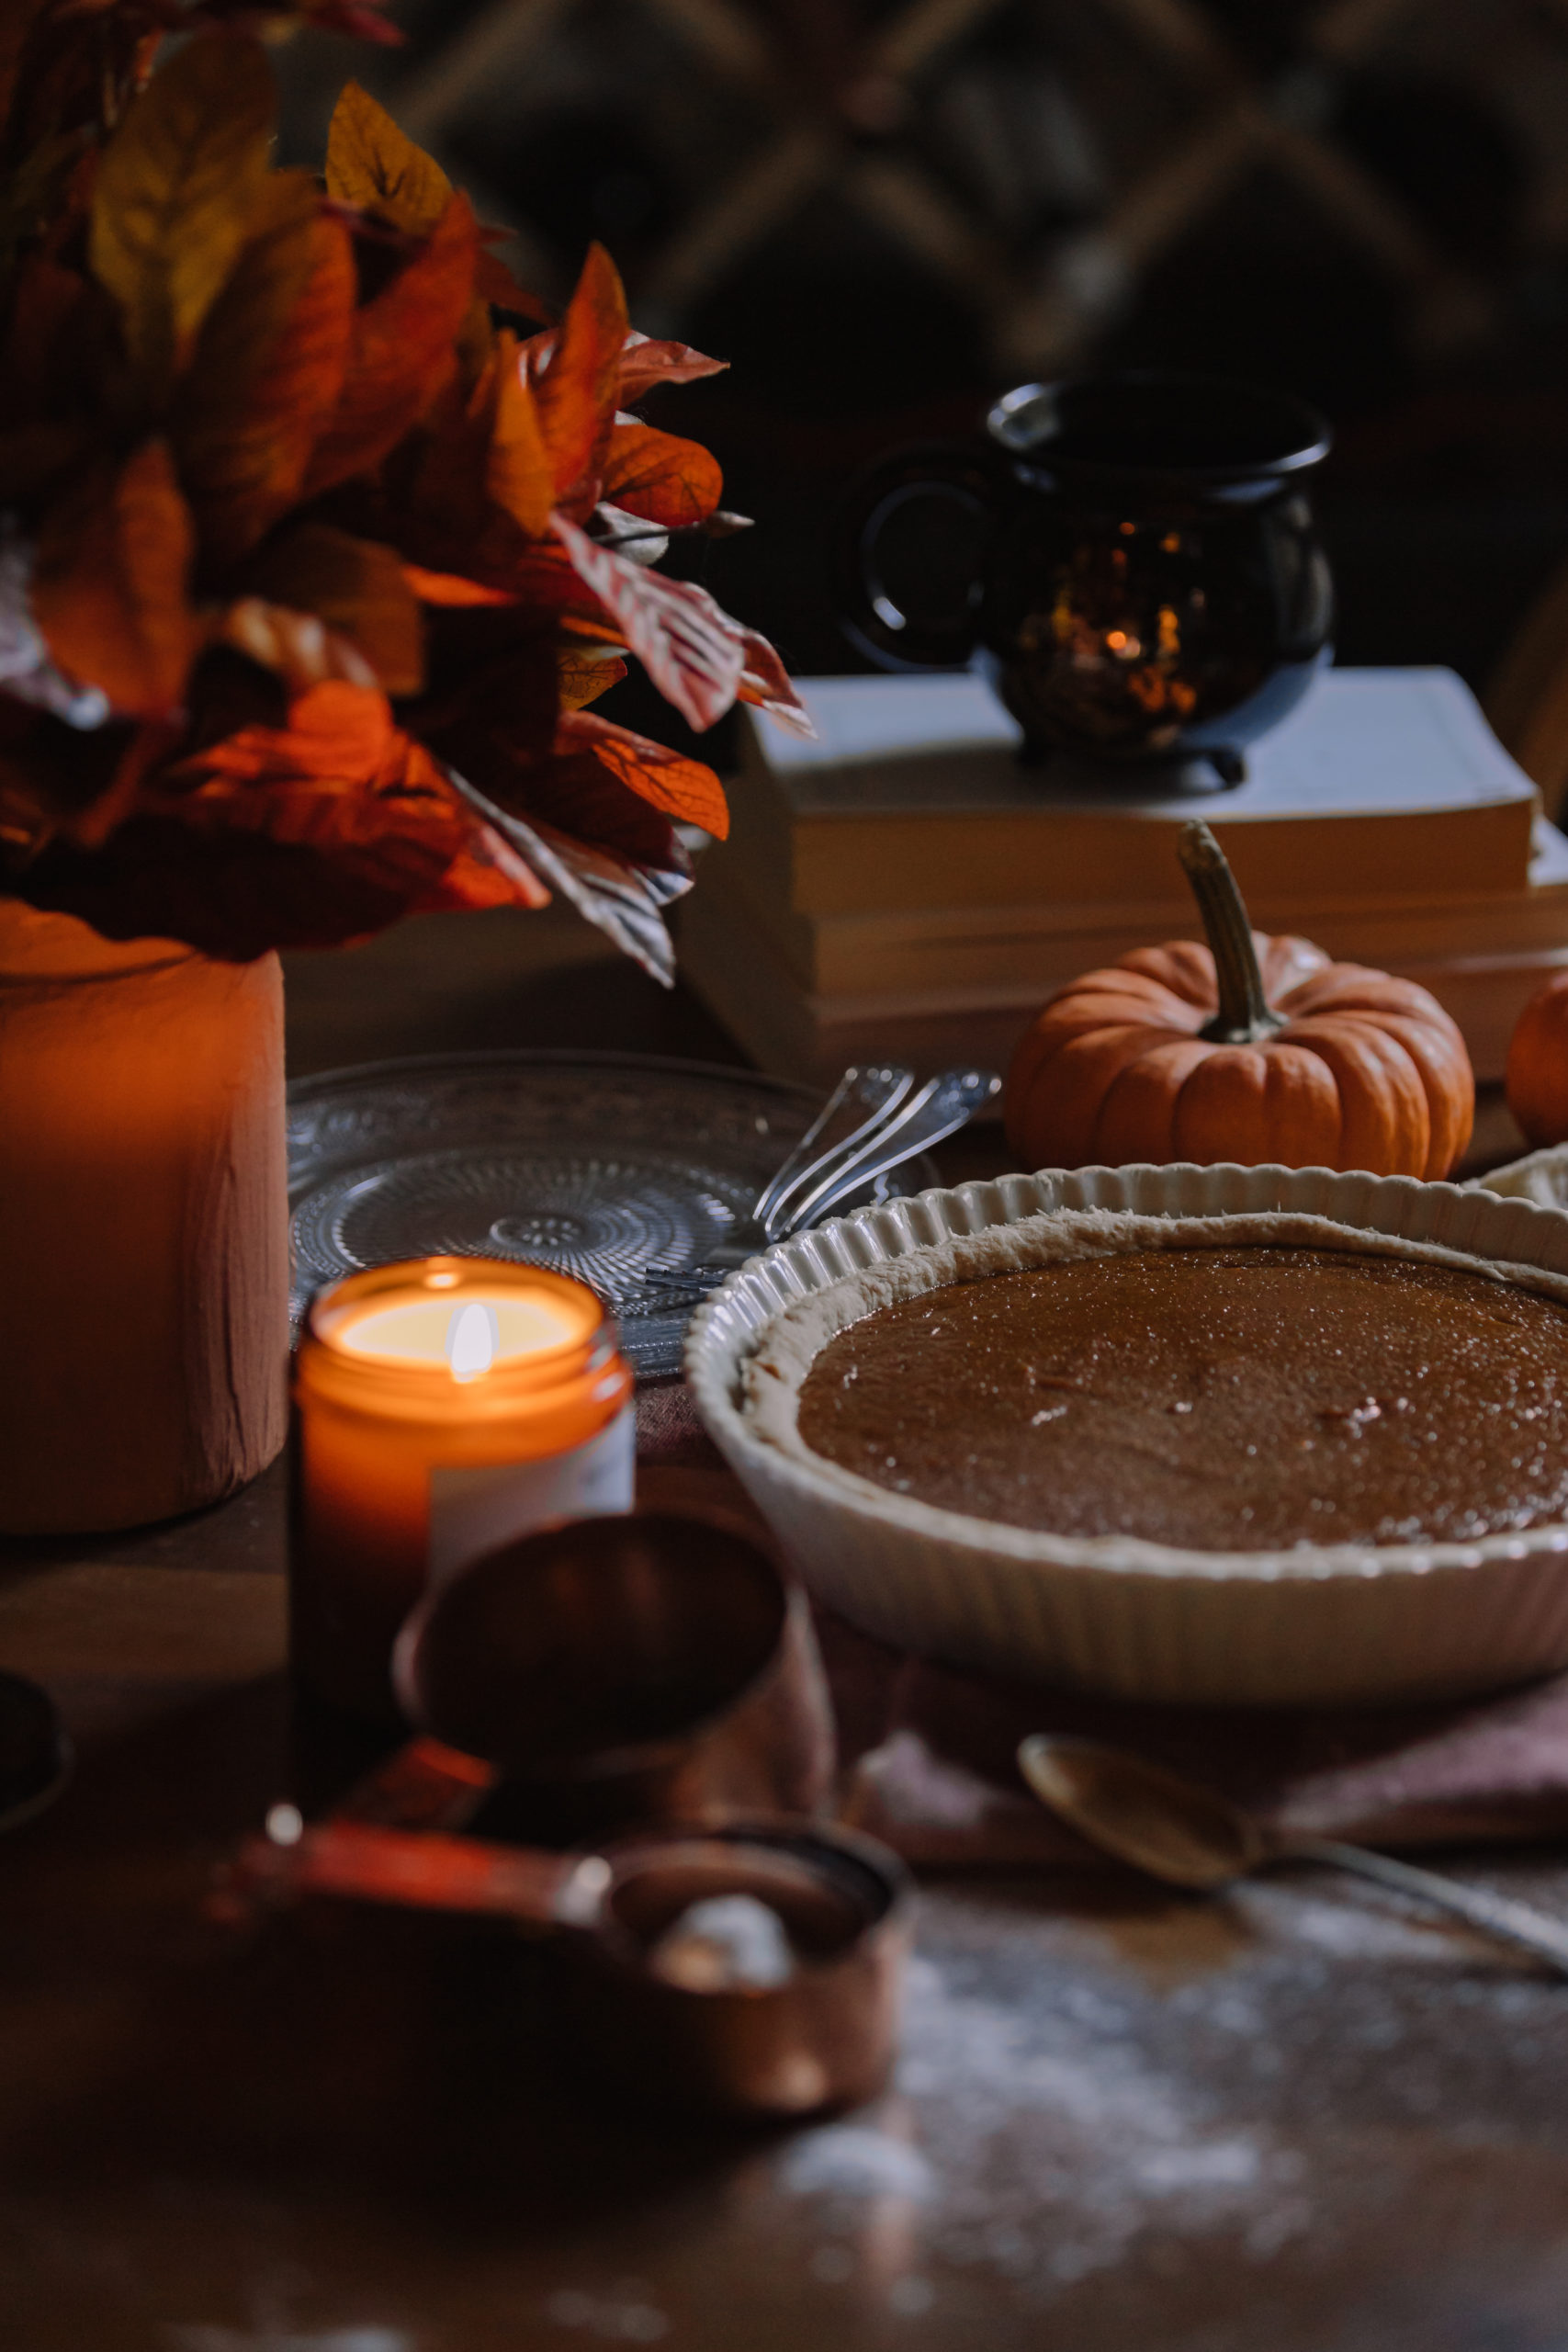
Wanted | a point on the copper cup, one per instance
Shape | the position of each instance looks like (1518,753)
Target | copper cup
(608,1671)
(822,2037)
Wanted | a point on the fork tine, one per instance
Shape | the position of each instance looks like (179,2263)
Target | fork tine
(885,1084)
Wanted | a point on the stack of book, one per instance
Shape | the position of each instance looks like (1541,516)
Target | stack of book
(903,886)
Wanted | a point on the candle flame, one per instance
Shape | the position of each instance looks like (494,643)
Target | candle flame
(472,1337)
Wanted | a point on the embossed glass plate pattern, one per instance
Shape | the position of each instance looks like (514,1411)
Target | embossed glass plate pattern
(621,1168)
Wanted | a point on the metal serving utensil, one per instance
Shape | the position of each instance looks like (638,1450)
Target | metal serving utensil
(907,1124)
(1187,1835)
(821,2036)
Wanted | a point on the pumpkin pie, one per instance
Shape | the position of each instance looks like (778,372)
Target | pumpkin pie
(1230,1384)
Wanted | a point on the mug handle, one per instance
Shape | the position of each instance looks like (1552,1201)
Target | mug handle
(939,471)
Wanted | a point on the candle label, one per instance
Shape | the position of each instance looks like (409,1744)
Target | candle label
(472,1511)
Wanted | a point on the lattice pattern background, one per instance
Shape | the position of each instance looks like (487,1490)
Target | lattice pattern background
(882,209)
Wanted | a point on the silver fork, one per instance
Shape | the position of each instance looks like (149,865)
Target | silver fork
(907,1124)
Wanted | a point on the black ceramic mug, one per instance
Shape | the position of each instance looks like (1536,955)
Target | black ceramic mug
(1131,558)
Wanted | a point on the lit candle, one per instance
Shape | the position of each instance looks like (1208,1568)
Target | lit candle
(443,1406)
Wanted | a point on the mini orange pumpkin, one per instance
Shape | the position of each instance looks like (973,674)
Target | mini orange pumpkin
(1250,1049)
(1537,1064)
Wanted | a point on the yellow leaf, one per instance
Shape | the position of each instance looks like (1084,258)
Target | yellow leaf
(372,163)
(581,676)
(178,192)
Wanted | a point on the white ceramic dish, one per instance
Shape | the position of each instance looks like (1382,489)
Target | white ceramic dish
(1310,1626)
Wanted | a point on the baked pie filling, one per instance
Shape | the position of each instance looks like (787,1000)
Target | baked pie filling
(1222,1399)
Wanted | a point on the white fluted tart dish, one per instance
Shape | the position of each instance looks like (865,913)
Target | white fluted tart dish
(1461,1598)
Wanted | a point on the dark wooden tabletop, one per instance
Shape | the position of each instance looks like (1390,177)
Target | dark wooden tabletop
(1301,2119)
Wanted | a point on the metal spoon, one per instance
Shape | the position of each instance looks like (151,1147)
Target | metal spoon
(1188,1835)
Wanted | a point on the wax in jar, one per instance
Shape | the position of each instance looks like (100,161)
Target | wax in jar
(443,1406)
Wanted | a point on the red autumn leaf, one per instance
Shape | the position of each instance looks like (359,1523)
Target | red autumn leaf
(625,898)
(267,374)
(672,483)
(766,684)
(486,872)
(645,363)
(576,370)
(690,648)
(344,782)
(299,649)
(497,284)
(356,587)
(400,352)
(108,590)
(682,787)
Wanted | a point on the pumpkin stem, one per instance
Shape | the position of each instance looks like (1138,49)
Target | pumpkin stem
(1244,1015)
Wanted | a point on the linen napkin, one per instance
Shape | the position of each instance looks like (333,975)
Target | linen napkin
(928,1749)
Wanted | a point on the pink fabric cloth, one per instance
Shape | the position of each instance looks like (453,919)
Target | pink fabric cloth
(928,1751)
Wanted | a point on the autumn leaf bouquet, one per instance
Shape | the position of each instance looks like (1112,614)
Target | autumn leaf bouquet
(318,534)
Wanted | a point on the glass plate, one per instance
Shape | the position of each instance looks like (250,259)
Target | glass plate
(621,1168)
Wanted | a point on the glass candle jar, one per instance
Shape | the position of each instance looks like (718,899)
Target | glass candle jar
(443,1406)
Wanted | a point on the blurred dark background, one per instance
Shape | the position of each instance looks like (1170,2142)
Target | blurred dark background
(884,211)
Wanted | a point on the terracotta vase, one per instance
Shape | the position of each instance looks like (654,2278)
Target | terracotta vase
(143,1225)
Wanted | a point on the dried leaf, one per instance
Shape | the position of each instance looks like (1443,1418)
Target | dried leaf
(357,588)
(575,371)
(449,588)
(683,789)
(110,590)
(581,677)
(623,900)
(373,164)
(672,483)
(691,650)
(766,684)
(297,647)
(518,473)
(645,363)
(400,352)
(496,283)
(267,370)
(178,187)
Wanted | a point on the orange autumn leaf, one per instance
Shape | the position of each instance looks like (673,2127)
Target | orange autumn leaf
(689,647)
(177,189)
(449,588)
(682,787)
(400,352)
(355,588)
(109,587)
(518,473)
(645,363)
(581,677)
(267,372)
(576,375)
(672,483)
(297,647)
(373,164)
(497,284)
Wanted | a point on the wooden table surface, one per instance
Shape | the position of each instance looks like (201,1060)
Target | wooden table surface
(1298,2119)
